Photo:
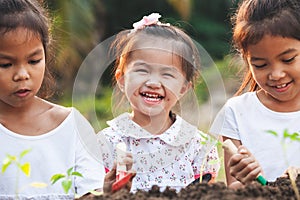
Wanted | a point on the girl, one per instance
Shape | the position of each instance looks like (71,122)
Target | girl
(266,34)
(156,65)
(53,134)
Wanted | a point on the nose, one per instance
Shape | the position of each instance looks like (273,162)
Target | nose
(276,74)
(153,83)
(21,74)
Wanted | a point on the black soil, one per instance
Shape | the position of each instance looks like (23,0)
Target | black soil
(280,189)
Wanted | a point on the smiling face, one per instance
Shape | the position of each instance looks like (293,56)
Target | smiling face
(275,65)
(22,67)
(153,82)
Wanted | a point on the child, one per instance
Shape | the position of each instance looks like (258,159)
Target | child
(53,134)
(266,34)
(156,65)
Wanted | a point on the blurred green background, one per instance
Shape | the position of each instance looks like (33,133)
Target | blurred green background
(79,25)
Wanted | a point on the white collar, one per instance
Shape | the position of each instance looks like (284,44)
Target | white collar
(180,132)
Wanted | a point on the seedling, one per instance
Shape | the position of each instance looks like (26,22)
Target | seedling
(25,168)
(292,137)
(66,182)
(16,160)
(207,140)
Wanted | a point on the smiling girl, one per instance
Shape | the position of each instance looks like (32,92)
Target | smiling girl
(266,34)
(156,65)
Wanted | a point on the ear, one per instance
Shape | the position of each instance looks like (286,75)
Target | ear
(120,79)
(186,86)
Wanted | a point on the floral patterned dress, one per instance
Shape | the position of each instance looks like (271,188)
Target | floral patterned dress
(173,158)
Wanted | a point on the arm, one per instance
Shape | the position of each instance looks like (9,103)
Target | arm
(240,168)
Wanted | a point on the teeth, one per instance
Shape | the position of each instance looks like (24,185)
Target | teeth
(151,95)
(281,86)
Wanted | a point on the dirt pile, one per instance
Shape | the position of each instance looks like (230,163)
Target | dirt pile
(280,189)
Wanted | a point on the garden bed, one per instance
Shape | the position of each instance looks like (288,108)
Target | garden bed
(280,189)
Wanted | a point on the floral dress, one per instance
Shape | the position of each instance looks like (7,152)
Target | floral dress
(173,158)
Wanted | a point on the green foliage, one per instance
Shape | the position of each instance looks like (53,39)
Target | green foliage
(16,160)
(66,178)
(286,135)
(292,137)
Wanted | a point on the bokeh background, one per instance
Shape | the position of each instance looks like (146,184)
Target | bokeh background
(80,25)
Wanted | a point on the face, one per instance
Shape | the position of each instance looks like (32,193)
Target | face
(153,82)
(22,67)
(275,66)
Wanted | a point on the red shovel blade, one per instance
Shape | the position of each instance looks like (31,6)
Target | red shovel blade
(122,182)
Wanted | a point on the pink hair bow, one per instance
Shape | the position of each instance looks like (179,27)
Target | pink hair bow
(147,20)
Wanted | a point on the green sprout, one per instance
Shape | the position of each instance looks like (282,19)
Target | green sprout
(16,160)
(292,137)
(66,179)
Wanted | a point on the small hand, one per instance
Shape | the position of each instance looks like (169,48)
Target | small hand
(243,166)
(110,177)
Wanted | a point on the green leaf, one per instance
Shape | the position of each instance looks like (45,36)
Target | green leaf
(295,136)
(272,132)
(76,174)
(56,177)
(6,162)
(26,168)
(69,171)
(286,134)
(23,153)
(66,184)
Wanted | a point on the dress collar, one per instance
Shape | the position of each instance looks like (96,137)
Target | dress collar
(180,132)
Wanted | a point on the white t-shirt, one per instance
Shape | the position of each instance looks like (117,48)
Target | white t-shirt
(169,159)
(246,119)
(52,153)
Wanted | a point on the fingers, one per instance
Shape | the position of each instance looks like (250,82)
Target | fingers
(128,161)
(111,175)
(243,166)
(109,179)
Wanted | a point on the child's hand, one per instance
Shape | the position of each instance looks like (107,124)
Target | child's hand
(291,172)
(243,166)
(110,177)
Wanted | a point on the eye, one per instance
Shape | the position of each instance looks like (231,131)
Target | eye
(168,75)
(289,60)
(34,62)
(5,65)
(141,70)
(259,66)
